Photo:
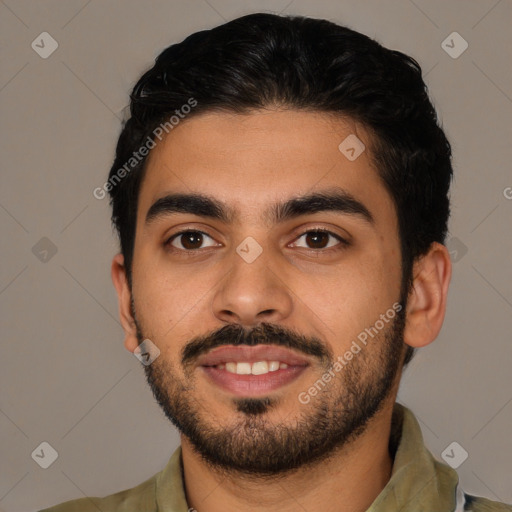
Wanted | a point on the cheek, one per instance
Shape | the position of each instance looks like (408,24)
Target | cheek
(169,297)
(345,299)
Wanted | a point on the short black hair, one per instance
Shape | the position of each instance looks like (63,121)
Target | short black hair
(263,61)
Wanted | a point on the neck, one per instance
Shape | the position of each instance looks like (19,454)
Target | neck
(353,476)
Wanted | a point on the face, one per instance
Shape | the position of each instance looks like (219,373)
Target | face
(258,293)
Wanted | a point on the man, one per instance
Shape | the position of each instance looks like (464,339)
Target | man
(281,196)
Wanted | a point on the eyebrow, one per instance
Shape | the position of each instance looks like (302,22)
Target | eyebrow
(335,200)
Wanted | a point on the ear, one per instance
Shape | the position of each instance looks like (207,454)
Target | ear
(426,304)
(124,296)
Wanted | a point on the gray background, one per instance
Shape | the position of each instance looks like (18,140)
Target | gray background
(65,377)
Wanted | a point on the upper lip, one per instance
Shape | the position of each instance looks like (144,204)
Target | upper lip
(251,354)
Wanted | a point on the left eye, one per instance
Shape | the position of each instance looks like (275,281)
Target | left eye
(319,238)
(189,240)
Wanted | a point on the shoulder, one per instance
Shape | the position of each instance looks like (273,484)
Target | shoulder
(141,497)
(476,504)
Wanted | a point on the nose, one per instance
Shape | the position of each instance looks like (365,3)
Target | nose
(252,293)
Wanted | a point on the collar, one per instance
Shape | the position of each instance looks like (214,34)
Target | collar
(418,482)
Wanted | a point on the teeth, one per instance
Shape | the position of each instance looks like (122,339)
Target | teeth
(273,366)
(231,367)
(258,368)
(243,368)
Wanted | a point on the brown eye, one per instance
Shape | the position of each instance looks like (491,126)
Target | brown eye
(317,239)
(321,239)
(189,240)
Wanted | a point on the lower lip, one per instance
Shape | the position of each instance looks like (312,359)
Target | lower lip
(252,385)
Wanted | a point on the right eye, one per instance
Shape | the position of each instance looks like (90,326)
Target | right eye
(188,240)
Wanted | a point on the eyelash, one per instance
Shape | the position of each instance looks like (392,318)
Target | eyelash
(189,252)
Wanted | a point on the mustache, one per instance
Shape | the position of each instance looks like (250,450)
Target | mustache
(262,334)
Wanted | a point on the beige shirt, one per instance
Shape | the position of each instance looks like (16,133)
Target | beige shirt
(418,483)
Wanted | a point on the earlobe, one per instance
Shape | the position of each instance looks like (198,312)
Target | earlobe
(426,305)
(124,296)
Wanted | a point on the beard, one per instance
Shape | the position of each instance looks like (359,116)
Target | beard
(253,445)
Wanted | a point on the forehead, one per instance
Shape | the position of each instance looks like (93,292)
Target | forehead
(249,161)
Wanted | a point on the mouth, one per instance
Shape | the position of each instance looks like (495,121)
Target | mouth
(251,371)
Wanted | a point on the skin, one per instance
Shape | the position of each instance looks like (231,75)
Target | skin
(249,162)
